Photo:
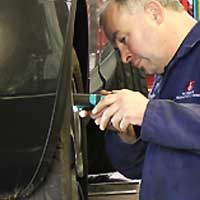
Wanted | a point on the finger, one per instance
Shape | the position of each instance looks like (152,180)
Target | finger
(124,124)
(106,116)
(105,92)
(105,102)
(120,91)
(116,91)
(129,135)
(115,120)
(96,115)
(131,131)
(97,121)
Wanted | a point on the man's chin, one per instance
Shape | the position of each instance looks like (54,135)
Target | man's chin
(149,73)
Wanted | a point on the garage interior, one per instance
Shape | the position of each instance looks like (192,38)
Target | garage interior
(51,50)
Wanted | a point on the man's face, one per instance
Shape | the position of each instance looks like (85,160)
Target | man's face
(135,36)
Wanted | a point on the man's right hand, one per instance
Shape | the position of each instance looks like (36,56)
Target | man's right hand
(127,136)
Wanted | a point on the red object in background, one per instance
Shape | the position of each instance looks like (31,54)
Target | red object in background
(187,6)
(150,79)
(101,38)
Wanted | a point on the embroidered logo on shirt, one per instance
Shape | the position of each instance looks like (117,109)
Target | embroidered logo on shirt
(188,91)
(189,86)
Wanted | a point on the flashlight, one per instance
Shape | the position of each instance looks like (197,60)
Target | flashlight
(86,101)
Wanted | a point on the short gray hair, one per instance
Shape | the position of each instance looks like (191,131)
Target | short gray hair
(133,4)
(174,4)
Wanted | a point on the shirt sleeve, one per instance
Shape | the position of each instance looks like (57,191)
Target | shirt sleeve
(126,158)
(171,124)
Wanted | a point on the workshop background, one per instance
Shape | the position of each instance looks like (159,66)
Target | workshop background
(47,152)
(102,186)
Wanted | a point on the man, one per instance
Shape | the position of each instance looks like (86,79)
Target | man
(159,36)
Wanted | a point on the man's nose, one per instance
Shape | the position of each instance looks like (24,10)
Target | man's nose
(126,55)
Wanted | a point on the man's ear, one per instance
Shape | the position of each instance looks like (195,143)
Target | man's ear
(155,10)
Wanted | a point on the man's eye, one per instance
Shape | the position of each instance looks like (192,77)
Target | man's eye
(123,40)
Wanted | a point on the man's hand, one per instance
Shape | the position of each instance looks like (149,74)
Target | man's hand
(84,113)
(120,108)
(127,136)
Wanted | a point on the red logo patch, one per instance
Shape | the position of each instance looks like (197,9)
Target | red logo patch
(190,86)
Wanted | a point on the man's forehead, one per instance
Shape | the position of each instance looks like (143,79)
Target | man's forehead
(113,20)
(111,32)
(110,22)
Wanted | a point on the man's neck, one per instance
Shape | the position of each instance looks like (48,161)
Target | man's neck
(180,24)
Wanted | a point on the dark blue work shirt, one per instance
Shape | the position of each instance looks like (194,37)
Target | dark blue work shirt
(167,154)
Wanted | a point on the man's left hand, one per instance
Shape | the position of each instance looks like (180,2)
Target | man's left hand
(120,108)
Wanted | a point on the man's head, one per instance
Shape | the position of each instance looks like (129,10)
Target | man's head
(145,32)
